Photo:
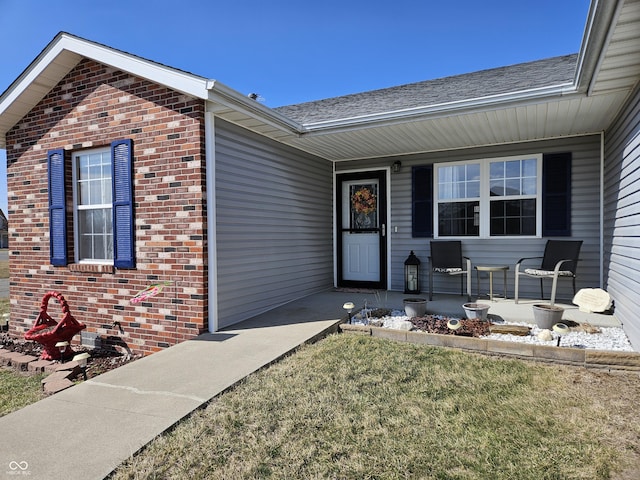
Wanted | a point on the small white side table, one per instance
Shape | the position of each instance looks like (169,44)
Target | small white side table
(491,270)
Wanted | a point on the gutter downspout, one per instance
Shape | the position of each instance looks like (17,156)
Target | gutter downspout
(335,227)
(212,250)
(602,210)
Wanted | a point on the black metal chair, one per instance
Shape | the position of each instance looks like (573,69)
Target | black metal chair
(560,260)
(446,257)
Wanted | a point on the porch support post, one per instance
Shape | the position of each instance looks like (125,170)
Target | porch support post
(212,279)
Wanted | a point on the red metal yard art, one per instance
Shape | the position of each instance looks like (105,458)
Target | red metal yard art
(48,332)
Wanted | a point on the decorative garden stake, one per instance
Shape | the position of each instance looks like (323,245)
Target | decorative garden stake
(561,329)
(82,358)
(349,306)
(49,333)
(454,324)
(62,347)
(151,291)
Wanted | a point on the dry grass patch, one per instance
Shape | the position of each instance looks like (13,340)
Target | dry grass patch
(4,269)
(360,407)
(18,390)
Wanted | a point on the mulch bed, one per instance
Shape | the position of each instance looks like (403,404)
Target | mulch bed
(438,324)
(101,360)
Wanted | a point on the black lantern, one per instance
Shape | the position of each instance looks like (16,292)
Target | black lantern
(412,274)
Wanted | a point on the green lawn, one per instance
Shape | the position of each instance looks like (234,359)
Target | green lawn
(359,407)
(18,390)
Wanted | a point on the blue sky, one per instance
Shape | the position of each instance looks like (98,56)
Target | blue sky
(295,51)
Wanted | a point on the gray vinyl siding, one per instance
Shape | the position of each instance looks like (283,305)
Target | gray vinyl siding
(622,217)
(496,251)
(273,224)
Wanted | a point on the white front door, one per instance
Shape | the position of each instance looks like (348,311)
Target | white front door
(361,229)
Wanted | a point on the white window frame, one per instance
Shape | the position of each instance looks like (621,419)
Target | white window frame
(77,207)
(485,198)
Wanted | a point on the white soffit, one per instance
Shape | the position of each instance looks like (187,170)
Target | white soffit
(620,65)
(578,115)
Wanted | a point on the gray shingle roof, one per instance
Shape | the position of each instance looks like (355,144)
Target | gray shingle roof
(495,81)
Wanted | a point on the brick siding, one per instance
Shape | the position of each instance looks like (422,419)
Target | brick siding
(92,106)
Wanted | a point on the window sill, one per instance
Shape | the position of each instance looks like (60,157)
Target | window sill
(91,268)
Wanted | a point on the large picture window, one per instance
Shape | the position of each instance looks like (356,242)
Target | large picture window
(488,198)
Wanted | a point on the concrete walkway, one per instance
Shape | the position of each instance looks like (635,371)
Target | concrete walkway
(86,431)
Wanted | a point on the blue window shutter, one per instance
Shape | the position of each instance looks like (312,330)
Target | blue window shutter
(123,228)
(556,195)
(422,201)
(57,208)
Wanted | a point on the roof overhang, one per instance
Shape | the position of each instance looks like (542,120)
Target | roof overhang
(65,51)
(608,69)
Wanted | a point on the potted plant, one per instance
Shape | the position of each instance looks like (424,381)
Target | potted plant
(546,316)
(476,310)
(415,307)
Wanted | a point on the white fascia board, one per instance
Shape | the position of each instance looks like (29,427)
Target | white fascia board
(176,80)
(70,50)
(600,27)
(221,94)
(62,54)
(29,79)
(493,101)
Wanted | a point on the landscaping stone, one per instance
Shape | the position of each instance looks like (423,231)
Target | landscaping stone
(510,348)
(510,329)
(355,329)
(574,356)
(56,386)
(626,360)
(6,357)
(40,366)
(398,335)
(51,367)
(22,362)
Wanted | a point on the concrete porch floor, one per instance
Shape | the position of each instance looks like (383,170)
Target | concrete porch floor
(500,309)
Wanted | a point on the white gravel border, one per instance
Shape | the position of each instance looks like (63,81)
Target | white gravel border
(609,338)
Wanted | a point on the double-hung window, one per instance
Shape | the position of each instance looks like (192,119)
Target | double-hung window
(514,197)
(488,198)
(102,203)
(458,199)
(92,206)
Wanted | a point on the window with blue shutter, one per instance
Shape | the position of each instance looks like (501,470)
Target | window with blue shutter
(123,228)
(556,195)
(422,201)
(57,207)
(103,206)
(512,178)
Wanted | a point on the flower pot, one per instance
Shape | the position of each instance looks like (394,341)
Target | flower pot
(546,316)
(476,310)
(415,307)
